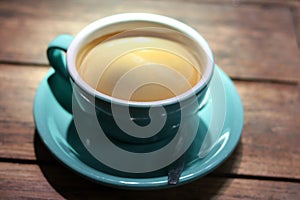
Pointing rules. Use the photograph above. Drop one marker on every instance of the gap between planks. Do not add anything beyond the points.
(212, 174)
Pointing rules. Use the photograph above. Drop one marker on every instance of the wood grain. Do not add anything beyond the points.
(249, 41)
(56, 182)
(17, 90)
(269, 145)
(241, 2)
(296, 17)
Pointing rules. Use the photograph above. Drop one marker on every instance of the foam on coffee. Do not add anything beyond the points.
(157, 68)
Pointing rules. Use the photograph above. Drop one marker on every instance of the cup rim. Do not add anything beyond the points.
(142, 17)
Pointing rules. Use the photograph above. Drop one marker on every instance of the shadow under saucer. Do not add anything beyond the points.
(73, 186)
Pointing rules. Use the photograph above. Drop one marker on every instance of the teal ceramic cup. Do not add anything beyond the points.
(132, 138)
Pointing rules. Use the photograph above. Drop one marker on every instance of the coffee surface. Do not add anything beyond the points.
(138, 68)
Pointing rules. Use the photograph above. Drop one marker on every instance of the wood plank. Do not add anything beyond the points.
(240, 2)
(296, 16)
(278, 2)
(56, 182)
(248, 40)
(269, 145)
(22, 181)
(17, 90)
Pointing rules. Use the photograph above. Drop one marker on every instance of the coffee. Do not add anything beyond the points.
(138, 68)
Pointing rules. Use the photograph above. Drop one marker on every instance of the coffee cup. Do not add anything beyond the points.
(138, 82)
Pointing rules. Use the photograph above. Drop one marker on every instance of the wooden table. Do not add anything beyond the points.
(256, 42)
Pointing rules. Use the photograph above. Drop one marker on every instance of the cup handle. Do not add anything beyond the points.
(59, 82)
(56, 53)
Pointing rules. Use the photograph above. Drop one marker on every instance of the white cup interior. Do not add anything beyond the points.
(133, 21)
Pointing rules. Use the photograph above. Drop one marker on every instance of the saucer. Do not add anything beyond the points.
(223, 114)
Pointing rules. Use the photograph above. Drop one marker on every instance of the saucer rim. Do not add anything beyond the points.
(97, 176)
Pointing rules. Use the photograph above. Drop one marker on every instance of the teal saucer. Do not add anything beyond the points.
(223, 114)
